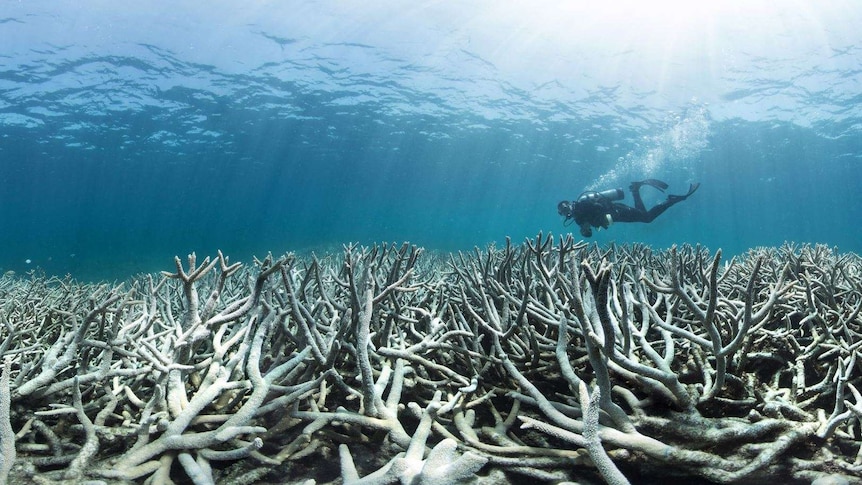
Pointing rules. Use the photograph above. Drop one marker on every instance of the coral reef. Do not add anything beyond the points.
(551, 361)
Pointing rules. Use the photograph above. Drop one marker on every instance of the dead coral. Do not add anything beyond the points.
(551, 360)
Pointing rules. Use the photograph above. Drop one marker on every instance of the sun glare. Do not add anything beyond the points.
(670, 47)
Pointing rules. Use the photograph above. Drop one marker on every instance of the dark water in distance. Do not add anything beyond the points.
(132, 134)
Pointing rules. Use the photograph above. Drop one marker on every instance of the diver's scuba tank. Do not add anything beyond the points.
(606, 195)
(613, 194)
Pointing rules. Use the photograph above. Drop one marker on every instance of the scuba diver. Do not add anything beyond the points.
(601, 209)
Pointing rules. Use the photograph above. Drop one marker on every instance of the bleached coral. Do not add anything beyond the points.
(552, 360)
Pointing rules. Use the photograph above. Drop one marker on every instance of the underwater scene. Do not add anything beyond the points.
(327, 242)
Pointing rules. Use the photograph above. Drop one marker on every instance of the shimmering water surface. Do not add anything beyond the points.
(132, 132)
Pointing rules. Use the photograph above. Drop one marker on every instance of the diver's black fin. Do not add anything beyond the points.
(691, 189)
(655, 183)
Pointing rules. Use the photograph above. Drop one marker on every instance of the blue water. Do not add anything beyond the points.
(130, 133)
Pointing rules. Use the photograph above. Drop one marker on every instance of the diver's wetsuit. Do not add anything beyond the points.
(592, 209)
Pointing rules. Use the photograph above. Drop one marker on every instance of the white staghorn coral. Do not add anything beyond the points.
(558, 362)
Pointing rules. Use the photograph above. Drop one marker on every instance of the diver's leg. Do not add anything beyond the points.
(671, 200)
(624, 213)
(656, 211)
(635, 188)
